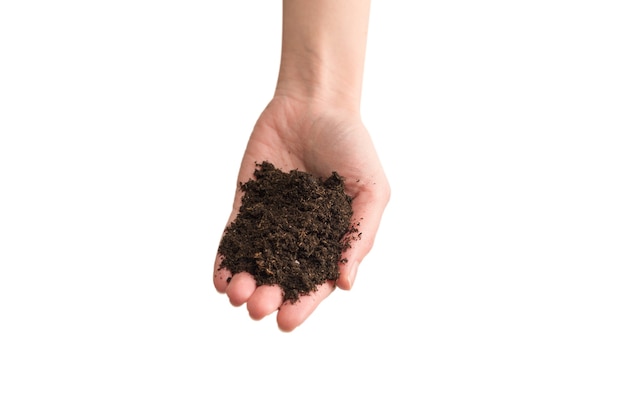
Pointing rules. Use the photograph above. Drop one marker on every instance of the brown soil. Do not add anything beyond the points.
(291, 230)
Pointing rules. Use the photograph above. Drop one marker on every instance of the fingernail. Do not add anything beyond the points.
(352, 275)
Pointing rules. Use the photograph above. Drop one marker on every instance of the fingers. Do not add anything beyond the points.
(240, 288)
(264, 301)
(292, 315)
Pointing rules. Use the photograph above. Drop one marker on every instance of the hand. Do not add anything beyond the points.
(310, 136)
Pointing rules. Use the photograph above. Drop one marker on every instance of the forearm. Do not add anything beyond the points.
(323, 51)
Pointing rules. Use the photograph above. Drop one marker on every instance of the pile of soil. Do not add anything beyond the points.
(291, 230)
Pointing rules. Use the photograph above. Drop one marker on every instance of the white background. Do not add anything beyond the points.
(496, 285)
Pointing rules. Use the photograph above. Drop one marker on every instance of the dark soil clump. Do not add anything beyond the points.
(291, 230)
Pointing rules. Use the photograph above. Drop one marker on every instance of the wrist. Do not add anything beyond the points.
(317, 83)
(323, 51)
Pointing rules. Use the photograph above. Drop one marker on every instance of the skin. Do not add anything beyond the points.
(313, 124)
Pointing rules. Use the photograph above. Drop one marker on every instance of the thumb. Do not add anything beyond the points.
(367, 216)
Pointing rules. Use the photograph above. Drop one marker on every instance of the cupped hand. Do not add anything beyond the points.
(311, 137)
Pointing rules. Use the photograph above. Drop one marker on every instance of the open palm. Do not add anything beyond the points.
(293, 134)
